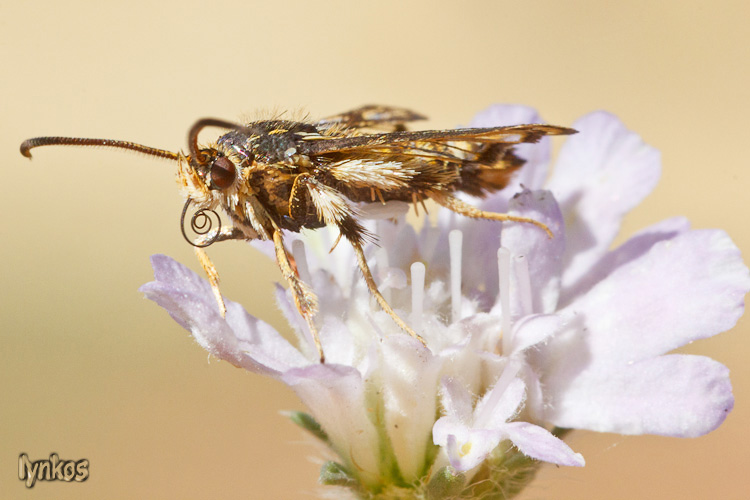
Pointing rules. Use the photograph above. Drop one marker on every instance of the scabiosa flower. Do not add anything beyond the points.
(525, 335)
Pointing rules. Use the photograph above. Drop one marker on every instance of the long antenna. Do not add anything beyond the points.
(195, 152)
(29, 144)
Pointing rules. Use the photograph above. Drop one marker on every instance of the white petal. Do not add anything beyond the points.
(409, 388)
(464, 455)
(336, 398)
(447, 426)
(532, 330)
(456, 400)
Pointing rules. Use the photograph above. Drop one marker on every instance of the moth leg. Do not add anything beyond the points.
(373, 287)
(463, 208)
(225, 233)
(304, 298)
(213, 278)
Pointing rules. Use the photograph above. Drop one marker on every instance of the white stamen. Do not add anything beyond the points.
(417, 295)
(503, 266)
(524, 285)
(300, 258)
(455, 238)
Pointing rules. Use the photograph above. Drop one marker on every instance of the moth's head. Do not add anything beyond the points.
(208, 176)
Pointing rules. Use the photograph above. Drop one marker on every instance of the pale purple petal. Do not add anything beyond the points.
(673, 395)
(544, 254)
(636, 246)
(240, 339)
(687, 288)
(602, 173)
(296, 321)
(335, 395)
(537, 442)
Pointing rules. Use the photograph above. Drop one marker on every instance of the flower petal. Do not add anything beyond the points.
(537, 442)
(683, 289)
(544, 254)
(409, 385)
(456, 401)
(674, 395)
(501, 403)
(239, 338)
(335, 395)
(636, 246)
(465, 454)
(531, 330)
(602, 173)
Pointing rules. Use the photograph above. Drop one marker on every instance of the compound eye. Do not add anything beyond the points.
(223, 172)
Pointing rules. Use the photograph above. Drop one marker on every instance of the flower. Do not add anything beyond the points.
(525, 336)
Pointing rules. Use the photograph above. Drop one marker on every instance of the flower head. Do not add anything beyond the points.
(525, 334)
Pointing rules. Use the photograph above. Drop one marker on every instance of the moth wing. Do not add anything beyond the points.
(371, 116)
(402, 141)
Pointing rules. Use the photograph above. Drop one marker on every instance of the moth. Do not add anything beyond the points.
(277, 175)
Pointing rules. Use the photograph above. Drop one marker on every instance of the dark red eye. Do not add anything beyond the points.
(223, 172)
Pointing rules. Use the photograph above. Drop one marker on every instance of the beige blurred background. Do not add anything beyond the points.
(89, 369)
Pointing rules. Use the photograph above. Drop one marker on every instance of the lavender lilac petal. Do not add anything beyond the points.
(239, 338)
(683, 289)
(674, 395)
(601, 174)
(537, 442)
(640, 243)
(544, 255)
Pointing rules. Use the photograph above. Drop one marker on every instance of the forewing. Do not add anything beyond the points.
(424, 139)
(371, 116)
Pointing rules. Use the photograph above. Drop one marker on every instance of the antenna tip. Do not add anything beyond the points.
(26, 149)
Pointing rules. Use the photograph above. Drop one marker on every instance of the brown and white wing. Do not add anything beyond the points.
(371, 116)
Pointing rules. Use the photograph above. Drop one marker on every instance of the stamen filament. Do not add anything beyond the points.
(455, 238)
(524, 285)
(503, 266)
(417, 294)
